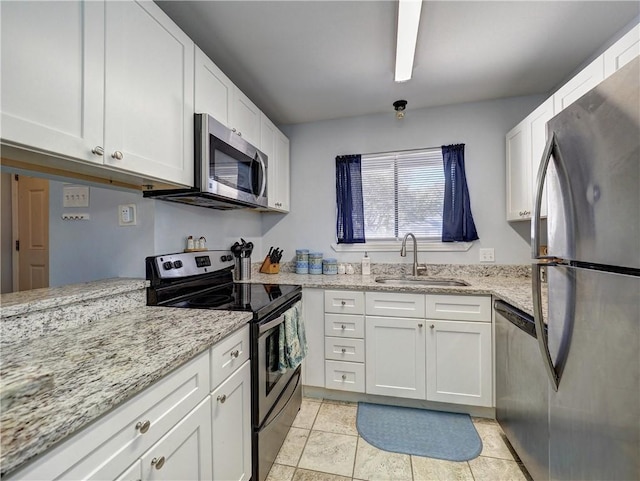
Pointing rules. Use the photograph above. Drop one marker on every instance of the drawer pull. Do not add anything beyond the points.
(143, 427)
(420, 325)
(158, 462)
(431, 326)
(344, 377)
(343, 350)
(343, 327)
(235, 354)
(222, 398)
(344, 303)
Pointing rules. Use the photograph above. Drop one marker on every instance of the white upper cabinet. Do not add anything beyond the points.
(536, 122)
(623, 51)
(213, 89)
(245, 118)
(53, 76)
(579, 85)
(518, 174)
(276, 145)
(148, 92)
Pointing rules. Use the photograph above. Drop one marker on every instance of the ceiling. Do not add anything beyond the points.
(303, 61)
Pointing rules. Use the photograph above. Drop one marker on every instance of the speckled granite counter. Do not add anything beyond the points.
(513, 285)
(86, 370)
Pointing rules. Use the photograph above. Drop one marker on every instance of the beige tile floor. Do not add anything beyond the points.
(323, 445)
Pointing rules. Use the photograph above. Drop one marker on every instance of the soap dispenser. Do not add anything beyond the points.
(366, 265)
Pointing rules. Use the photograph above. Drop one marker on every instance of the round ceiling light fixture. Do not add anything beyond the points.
(400, 106)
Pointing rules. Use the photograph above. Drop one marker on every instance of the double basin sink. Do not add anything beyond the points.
(424, 281)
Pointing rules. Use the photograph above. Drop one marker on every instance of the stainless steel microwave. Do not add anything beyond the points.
(230, 173)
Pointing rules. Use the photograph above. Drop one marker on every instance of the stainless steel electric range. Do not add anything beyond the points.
(204, 280)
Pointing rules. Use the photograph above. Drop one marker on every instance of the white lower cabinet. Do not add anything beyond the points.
(313, 313)
(133, 473)
(395, 359)
(231, 421)
(459, 362)
(344, 376)
(184, 452)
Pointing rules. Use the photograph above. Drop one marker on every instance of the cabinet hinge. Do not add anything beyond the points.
(17, 245)
(17, 177)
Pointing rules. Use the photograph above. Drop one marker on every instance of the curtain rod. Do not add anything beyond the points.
(398, 151)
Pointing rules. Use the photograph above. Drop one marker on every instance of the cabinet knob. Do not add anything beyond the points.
(143, 426)
(344, 377)
(343, 327)
(235, 354)
(344, 303)
(222, 398)
(343, 350)
(158, 462)
(117, 155)
(233, 130)
(97, 150)
(420, 325)
(431, 326)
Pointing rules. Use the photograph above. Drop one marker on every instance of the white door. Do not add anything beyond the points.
(231, 416)
(537, 125)
(185, 451)
(518, 174)
(245, 118)
(148, 93)
(459, 362)
(282, 184)
(213, 89)
(395, 357)
(52, 76)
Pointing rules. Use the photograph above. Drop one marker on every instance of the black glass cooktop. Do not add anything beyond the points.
(239, 297)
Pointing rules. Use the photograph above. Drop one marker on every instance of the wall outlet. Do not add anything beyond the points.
(127, 215)
(487, 255)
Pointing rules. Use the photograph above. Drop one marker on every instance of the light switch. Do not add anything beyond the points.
(75, 196)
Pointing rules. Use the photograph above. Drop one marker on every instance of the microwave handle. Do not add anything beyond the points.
(263, 167)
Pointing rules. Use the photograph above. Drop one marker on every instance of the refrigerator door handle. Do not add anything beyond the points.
(543, 343)
(549, 150)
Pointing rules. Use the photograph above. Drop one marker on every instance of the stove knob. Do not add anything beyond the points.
(177, 264)
(223, 258)
(167, 265)
(229, 257)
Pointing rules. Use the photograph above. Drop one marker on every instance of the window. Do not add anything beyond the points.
(403, 192)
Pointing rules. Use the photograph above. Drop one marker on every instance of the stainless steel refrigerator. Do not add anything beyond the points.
(592, 351)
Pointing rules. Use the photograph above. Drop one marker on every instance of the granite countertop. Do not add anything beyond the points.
(83, 372)
(515, 290)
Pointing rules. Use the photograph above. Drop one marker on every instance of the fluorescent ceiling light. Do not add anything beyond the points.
(408, 20)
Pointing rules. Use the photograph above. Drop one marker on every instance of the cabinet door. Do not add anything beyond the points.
(395, 357)
(52, 76)
(148, 93)
(283, 174)
(537, 125)
(622, 52)
(268, 146)
(185, 451)
(231, 421)
(459, 362)
(579, 85)
(213, 89)
(313, 313)
(518, 174)
(245, 118)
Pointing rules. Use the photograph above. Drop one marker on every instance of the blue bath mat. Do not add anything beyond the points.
(435, 434)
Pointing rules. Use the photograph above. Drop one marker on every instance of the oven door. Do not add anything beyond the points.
(271, 382)
(233, 167)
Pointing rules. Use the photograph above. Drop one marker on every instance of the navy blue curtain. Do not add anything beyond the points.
(457, 221)
(350, 224)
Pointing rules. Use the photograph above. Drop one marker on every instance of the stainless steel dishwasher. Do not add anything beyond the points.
(522, 395)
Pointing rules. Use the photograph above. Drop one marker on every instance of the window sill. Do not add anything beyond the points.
(392, 246)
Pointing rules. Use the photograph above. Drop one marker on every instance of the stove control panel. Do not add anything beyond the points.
(187, 264)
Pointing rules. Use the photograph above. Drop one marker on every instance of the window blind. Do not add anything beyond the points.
(403, 192)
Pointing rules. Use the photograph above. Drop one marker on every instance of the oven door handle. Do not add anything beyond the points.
(267, 326)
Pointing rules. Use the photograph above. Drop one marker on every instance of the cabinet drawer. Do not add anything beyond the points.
(459, 308)
(112, 444)
(344, 349)
(343, 326)
(344, 302)
(392, 304)
(228, 355)
(345, 376)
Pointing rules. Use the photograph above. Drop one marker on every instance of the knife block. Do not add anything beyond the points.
(268, 268)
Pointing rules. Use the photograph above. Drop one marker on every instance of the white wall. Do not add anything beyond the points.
(481, 126)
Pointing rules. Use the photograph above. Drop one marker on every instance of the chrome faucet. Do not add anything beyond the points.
(403, 253)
